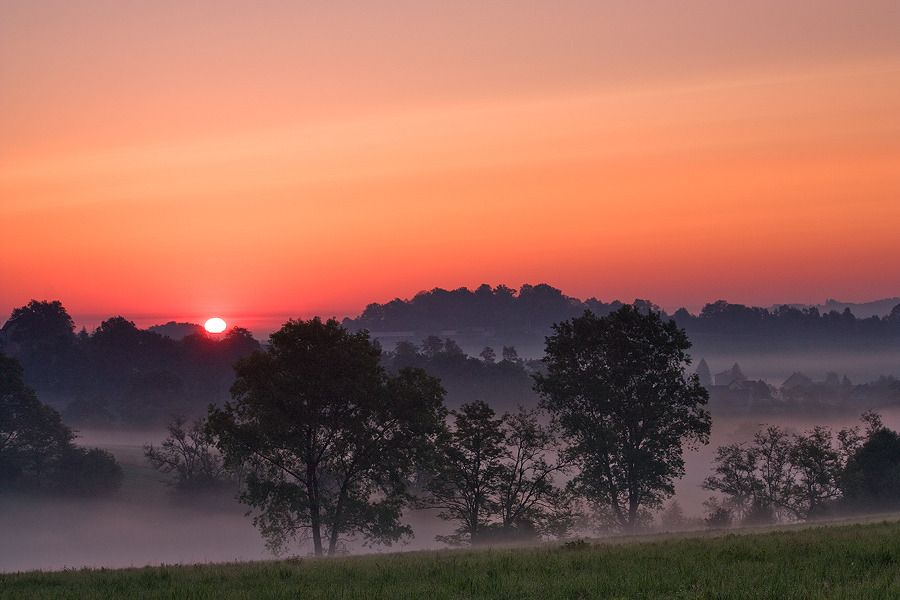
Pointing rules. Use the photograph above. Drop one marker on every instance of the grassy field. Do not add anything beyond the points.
(844, 561)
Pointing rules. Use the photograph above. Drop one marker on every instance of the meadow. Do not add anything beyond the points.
(835, 561)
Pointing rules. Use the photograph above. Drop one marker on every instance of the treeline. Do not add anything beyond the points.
(722, 325)
(780, 476)
(37, 451)
(120, 374)
(502, 377)
(523, 317)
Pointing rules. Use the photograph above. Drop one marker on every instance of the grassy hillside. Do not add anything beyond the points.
(846, 561)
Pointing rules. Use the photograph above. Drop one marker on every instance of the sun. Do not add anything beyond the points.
(215, 325)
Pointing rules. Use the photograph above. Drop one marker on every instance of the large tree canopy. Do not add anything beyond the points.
(41, 335)
(619, 388)
(328, 438)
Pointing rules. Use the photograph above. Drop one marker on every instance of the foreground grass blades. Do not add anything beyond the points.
(847, 561)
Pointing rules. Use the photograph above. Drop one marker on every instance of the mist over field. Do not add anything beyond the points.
(145, 524)
(141, 524)
(776, 367)
(740, 429)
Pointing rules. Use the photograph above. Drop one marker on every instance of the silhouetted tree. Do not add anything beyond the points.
(328, 438)
(119, 352)
(494, 478)
(36, 449)
(488, 355)
(619, 389)
(736, 477)
(190, 454)
(451, 348)
(468, 471)
(41, 336)
(779, 476)
(32, 435)
(528, 501)
(819, 466)
(88, 472)
(871, 479)
(510, 355)
(432, 346)
(406, 353)
(465, 378)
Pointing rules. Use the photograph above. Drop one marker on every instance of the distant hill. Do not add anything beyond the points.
(477, 318)
(176, 331)
(498, 316)
(861, 310)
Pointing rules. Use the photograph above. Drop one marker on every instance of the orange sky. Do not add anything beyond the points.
(181, 159)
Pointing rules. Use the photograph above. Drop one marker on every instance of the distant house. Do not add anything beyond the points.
(732, 375)
(795, 381)
(703, 374)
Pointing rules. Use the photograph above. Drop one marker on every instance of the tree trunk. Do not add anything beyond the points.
(632, 514)
(336, 525)
(315, 521)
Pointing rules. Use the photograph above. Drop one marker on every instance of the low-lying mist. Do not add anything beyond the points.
(141, 524)
(730, 429)
(775, 367)
(146, 524)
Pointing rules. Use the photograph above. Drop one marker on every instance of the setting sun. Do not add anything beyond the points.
(215, 325)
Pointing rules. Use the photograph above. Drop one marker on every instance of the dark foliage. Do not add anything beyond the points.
(329, 440)
(88, 472)
(506, 383)
(871, 480)
(619, 388)
(120, 374)
(190, 456)
(501, 315)
(494, 478)
(465, 485)
(781, 476)
(37, 450)
(41, 335)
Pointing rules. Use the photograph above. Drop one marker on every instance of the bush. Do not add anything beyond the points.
(88, 472)
(872, 477)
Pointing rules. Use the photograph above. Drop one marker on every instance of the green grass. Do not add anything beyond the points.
(846, 561)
